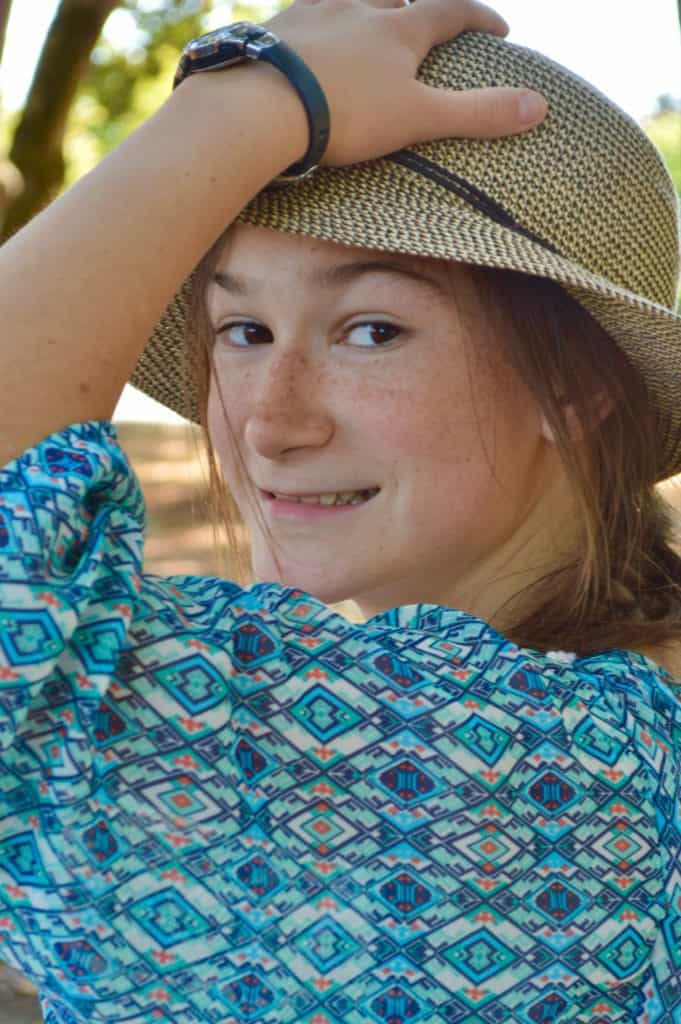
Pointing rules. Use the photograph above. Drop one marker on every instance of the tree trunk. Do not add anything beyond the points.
(37, 149)
(4, 18)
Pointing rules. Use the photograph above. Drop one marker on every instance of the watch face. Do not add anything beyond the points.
(204, 45)
(266, 39)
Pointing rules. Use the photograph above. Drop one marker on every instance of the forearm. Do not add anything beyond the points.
(82, 285)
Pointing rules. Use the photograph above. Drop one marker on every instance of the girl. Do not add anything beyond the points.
(439, 376)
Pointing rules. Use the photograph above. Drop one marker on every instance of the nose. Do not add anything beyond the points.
(287, 408)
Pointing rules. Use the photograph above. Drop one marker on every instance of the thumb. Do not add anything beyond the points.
(477, 113)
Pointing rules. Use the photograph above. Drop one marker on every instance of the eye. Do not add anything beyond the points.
(250, 333)
(253, 333)
(376, 326)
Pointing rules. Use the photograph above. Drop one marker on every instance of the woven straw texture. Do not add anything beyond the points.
(585, 199)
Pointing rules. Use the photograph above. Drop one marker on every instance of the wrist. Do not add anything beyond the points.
(264, 95)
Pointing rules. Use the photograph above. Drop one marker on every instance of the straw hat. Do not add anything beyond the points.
(585, 199)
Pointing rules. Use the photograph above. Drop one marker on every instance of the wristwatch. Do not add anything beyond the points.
(244, 41)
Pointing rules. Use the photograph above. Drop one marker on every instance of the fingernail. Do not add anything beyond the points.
(532, 107)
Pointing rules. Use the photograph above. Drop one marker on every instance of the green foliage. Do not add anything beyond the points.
(664, 129)
(124, 87)
(8, 126)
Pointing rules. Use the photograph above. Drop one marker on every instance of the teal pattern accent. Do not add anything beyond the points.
(233, 806)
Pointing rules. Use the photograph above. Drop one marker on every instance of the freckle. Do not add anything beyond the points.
(84, 388)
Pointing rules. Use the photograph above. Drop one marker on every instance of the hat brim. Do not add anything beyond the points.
(645, 331)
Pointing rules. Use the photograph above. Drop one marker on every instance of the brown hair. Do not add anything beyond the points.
(623, 588)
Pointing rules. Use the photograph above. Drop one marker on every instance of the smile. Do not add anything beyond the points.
(315, 505)
(333, 498)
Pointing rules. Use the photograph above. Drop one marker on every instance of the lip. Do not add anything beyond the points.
(278, 508)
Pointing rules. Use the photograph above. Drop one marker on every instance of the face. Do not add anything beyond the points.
(337, 380)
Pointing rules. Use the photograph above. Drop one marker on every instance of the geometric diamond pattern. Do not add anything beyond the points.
(248, 996)
(168, 917)
(484, 738)
(326, 944)
(407, 781)
(396, 1004)
(258, 877)
(626, 954)
(558, 901)
(480, 955)
(324, 714)
(404, 893)
(552, 792)
(221, 803)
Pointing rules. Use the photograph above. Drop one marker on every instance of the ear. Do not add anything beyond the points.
(602, 405)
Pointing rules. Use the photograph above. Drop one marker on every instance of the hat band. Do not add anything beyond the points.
(475, 197)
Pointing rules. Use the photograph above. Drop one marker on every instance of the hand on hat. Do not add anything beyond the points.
(366, 56)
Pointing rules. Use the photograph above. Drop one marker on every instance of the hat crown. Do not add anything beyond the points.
(584, 199)
(587, 180)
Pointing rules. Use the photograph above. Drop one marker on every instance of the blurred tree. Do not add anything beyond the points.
(89, 94)
(38, 140)
(4, 18)
(10, 180)
(664, 129)
(124, 86)
(667, 102)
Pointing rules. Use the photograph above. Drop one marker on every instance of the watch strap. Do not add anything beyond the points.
(247, 41)
(310, 91)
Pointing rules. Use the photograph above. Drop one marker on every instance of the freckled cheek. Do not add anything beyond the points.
(427, 421)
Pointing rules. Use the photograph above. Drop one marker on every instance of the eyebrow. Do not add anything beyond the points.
(341, 274)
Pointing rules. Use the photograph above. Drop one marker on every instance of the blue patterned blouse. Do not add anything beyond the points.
(234, 806)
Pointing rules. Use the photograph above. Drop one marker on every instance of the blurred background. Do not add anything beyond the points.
(77, 76)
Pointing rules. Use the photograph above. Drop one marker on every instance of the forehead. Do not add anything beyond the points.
(250, 248)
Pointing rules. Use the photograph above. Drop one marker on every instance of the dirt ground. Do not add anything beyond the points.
(167, 463)
(18, 1001)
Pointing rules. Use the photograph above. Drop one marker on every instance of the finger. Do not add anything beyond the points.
(476, 113)
(444, 19)
(488, 20)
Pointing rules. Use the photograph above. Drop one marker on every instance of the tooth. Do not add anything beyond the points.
(337, 498)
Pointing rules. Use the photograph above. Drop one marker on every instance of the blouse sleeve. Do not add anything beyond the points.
(71, 536)
(220, 803)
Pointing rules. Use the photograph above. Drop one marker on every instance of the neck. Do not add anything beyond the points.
(496, 587)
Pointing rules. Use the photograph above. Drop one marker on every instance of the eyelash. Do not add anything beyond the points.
(365, 323)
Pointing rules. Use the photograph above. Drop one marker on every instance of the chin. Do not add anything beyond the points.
(311, 583)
